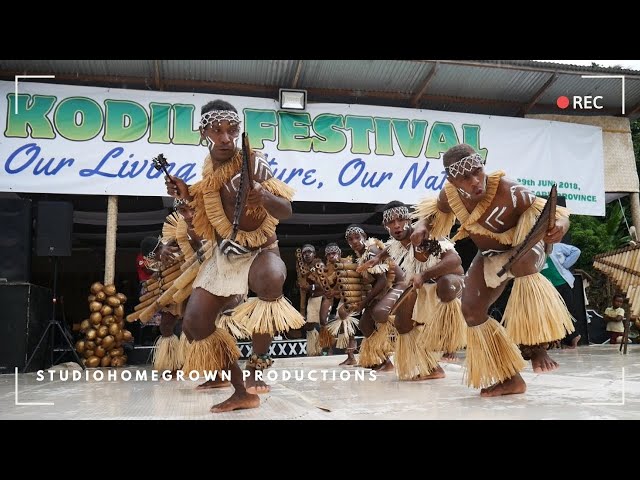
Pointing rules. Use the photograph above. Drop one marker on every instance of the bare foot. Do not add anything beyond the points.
(449, 357)
(254, 385)
(574, 342)
(387, 366)
(541, 361)
(351, 360)
(217, 383)
(237, 401)
(438, 372)
(510, 386)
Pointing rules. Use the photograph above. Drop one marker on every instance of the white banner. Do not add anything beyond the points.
(85, 140)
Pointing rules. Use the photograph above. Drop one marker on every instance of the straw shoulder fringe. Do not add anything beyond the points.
(465, 217)
(210, 217)
(441, 223)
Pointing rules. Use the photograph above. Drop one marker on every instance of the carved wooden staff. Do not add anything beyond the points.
(546, 221)
(406, 294)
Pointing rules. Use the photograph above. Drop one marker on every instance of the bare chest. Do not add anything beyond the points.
(502, 214)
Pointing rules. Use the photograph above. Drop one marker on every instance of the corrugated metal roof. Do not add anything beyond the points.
(488, 83)
(250, 72)
(563, 66)
(507, 109)
(115, 68)
(492, 87)
(363, 75)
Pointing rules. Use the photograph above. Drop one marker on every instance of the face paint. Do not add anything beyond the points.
(210, 144)
(465, 194)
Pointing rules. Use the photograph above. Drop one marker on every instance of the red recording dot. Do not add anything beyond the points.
(562, 102)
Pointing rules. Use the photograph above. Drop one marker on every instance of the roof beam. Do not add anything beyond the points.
(326, 218)
(121, 235)
(148, 217)
(552, 109)
(158, 77)
(296, 77)
(506, 66)
(291, 238)
(634, 110)
(524, 110)
(415, 100)
(471, 101)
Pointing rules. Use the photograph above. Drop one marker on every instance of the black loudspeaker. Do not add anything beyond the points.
(26, 311)
(54, 226)
(15, 240)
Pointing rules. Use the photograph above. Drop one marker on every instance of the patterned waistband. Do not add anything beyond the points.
(230, 247)
(491, 252)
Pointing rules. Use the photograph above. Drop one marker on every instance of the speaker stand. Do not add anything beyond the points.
(52, 326)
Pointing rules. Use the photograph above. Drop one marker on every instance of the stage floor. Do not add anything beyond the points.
(593, 382)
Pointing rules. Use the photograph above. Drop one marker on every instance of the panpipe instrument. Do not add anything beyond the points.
(317, 272)
(353, 287)
(622, 267)
(172, 287)
(327, 276)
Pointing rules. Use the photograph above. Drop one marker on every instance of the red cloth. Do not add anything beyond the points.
(143, 273)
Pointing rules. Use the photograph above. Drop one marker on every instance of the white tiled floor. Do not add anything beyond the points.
(588, 385)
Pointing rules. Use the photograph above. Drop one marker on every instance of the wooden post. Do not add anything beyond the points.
(635, 211)
(110, 245)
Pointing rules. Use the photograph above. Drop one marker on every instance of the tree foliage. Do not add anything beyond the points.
(594, 235)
